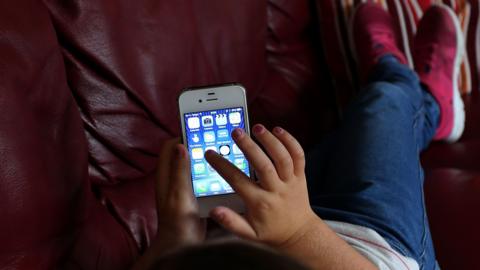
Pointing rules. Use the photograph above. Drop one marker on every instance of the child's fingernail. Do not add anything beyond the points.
(278, 130)
(209, 153)
(237, 133)
(219, 214)
(258, 129)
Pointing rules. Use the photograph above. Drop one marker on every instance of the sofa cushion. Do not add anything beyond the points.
(453, 201)
(43, 151)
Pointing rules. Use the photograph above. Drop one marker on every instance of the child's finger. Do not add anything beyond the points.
(276, 150)
(163, 168)
(233, 222)
(294, 148)
(180, 186)
(263, 166)
(245, 188)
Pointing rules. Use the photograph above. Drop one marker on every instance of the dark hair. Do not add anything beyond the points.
(229, 255)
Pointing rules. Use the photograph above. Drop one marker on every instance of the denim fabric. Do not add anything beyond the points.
(368, 172)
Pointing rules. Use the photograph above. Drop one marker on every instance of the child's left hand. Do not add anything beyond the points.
(179, 223)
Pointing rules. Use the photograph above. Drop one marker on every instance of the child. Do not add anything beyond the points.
(364, 208)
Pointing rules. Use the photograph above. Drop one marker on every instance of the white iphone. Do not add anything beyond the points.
(208, 117)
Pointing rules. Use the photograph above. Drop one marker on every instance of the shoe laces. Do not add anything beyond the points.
(430, 59)
(379, 35)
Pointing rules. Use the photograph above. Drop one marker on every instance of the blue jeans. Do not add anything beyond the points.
(368, 172)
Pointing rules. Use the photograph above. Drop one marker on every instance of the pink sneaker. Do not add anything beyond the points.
(373, 35)
(437, 53)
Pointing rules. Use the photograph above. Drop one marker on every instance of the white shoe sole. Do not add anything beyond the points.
(458, 106)
(403, 32)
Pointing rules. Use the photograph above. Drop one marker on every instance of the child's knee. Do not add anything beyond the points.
(386, 96)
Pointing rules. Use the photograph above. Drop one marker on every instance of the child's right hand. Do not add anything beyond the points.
(277, 209)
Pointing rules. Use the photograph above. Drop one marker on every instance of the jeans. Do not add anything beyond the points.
(368, 172)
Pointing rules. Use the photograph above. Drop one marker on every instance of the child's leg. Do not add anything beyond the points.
(373, 175)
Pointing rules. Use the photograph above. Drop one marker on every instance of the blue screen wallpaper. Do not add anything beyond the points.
(212, 130)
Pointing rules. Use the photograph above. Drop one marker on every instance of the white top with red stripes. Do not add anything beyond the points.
(373, 246)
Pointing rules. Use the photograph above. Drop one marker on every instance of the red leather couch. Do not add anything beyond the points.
(87, 95)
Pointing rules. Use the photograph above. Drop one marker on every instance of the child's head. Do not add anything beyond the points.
(227, 255)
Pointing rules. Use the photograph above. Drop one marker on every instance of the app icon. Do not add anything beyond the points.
(211, 148)
(197, 153)
(201, 187)
(236, 150)
(222, 133)
(224, 150)
(195, 138)
(234, 118)
(199, 168)
(193, 122)
(209, 136)
(215, 186)
(207, 121)
(240, 163)
(221, 119)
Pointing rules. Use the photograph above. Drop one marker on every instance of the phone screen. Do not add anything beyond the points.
(212, 130)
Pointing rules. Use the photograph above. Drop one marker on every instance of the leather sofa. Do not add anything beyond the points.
(87, 95)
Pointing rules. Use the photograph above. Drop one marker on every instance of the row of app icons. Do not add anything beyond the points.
(224, 150)
(211, 187)
(209, 136)
(220, 120)
(200, 167)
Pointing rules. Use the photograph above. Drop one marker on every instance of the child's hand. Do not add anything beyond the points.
(178, 219)
(277, 208)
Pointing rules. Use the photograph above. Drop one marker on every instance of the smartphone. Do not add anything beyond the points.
(208, 117)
